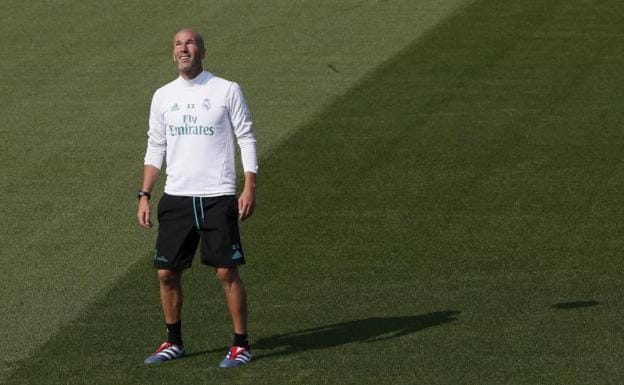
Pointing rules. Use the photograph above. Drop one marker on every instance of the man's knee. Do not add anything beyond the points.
(169, 279)
(227, 275)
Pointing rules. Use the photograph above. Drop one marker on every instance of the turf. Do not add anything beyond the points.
(453, 218)
(75, 100)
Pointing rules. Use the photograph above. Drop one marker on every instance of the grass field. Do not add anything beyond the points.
(442, 209)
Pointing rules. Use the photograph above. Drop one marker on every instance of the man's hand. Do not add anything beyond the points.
(143, 214)
(150, 174)
(247, 199)
(246, 204)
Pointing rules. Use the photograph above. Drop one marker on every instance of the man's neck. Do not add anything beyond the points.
(192, 74)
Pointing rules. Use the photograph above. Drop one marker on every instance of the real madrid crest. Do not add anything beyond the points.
(206, 104)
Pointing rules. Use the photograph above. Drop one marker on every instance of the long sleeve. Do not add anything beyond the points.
(242, 124)
(157, 140)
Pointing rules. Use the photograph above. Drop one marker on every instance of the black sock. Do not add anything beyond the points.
(174, 333)
(241, 340)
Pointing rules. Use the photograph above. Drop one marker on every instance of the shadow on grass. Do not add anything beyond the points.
(366, 330)
(575, 304)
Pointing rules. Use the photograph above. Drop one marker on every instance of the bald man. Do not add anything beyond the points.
(194, 123)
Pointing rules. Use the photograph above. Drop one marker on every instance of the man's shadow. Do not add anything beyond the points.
(365, 330)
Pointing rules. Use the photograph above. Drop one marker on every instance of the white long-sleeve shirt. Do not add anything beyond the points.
(194, 123)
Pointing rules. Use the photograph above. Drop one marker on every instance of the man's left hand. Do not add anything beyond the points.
(246, 204)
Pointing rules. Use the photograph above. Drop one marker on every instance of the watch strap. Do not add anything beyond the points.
(142, 193)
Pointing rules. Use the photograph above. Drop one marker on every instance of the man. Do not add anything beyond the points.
(194, 121)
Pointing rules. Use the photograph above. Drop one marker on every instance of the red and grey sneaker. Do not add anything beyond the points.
(165, 352)
(237, 356)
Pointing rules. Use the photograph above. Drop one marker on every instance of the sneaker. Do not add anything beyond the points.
(237, 356)
(165, 352)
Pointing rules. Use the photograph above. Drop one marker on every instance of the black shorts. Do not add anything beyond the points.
(183, 221)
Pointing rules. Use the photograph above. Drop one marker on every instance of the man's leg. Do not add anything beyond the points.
(171, 294)
(171, 299)
(235, 296)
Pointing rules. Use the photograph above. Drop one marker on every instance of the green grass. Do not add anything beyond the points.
(75, 100)
(441, 222)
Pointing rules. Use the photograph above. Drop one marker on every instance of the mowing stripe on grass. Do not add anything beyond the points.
(75, 101)
(436, 212)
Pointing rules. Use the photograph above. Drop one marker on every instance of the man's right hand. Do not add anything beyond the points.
(143, 214)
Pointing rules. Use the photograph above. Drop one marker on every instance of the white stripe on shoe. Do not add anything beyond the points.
(166, 352)
(244, 357)
(237, 356)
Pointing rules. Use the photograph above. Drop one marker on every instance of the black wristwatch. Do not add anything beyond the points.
(142, 193)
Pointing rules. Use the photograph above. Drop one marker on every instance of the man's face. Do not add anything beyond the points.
(187, 53)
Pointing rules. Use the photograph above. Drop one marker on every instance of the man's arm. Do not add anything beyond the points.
(247, 199)
(150, 175)
(243, 129)
(154, 155)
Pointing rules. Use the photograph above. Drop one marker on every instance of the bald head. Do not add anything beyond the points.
(188, 52)
(196, 35)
